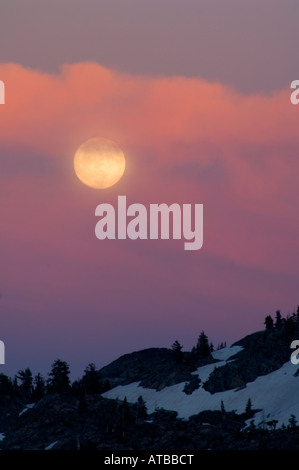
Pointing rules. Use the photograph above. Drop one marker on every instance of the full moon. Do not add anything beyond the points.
(99, 163)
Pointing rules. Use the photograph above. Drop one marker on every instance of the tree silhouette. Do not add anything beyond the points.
(39, 389)
(248, 408)
(90, 380)
(177, 351)
(59, 377)
(6, 387)
(25, 376)
(278, 319)
(292, 421)
(289, 328)
(268, 322)
(203, 348)
(141, 410)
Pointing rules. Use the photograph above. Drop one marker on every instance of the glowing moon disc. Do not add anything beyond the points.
(99, 163)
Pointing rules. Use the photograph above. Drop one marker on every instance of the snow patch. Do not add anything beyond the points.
(204, 372)
(276, 394)
(50, 446)
(27, 407)
(2, 436)
(225, 353)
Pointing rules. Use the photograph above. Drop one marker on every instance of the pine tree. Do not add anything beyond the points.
(25, 376)
(59, 377)
(294, 318)
(15, 386)
(289, 329)
(6, 386)
(268, 322)
(278, 319)
(90, 379)
(248, 408)
(125, 403)
(203, 348)
(141, 412)
(39, 388)
(177, 351)
(125, 416)
(222, 407)
(292, 421)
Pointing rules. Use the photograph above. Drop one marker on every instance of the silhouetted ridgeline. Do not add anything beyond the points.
(52, 412)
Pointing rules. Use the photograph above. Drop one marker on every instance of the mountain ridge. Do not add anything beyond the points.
(238, 397)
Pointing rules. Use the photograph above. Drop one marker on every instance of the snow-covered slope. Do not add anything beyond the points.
(276, 394)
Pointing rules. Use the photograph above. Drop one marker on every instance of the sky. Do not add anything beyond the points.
(197, 95)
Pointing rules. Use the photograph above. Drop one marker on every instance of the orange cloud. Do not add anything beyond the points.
(46, 111)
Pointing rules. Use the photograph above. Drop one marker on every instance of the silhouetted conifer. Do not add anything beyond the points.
(90, 380)
(203, 348)
(39, 388)
(292, 421)
(278, 319)
(269, 323)
(26, 387)
(177, 351)
(248, 408)
(141, 410)
(59, 377)
(6, 387)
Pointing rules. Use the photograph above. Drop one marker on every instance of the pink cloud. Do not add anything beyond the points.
(186, 140)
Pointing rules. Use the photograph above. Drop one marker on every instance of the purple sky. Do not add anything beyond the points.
(196, 93)
(250, 45)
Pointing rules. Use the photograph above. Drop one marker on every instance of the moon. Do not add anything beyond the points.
(99, 163)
